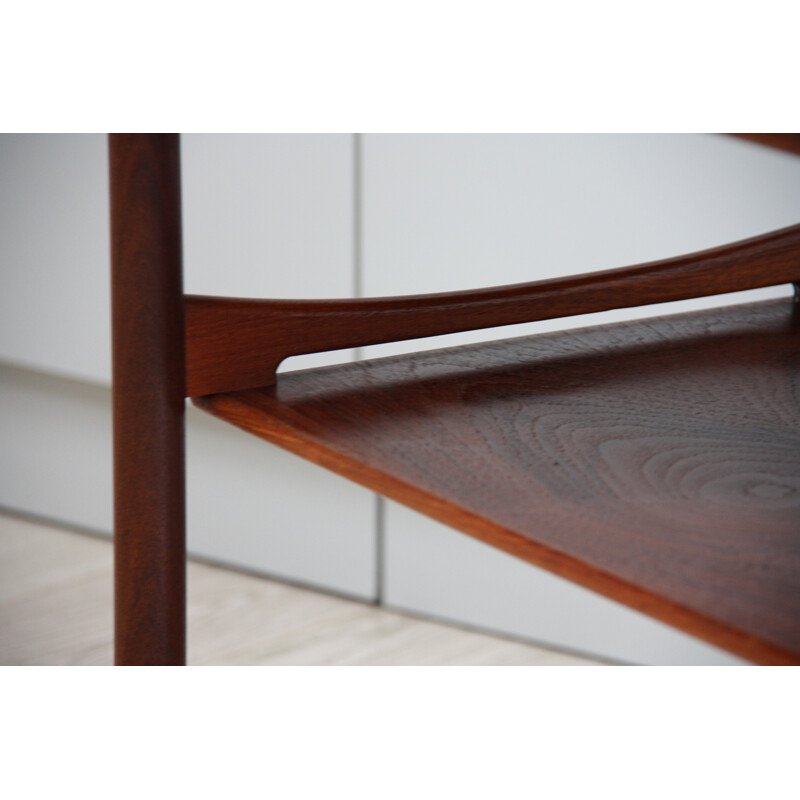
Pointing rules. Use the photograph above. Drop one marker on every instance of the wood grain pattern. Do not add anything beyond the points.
(236, 344)
(656, 462)
(148, 399)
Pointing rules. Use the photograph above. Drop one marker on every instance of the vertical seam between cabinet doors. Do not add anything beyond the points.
(358, 291)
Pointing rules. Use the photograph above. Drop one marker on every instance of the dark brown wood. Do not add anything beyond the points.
(656, 462)
(149, 385)
(237, 344)
(780, 141)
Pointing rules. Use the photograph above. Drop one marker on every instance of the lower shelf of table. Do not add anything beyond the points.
(656, 462)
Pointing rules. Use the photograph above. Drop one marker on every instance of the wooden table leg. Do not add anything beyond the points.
(148, 412)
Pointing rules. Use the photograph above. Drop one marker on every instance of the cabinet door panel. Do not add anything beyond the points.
(264, 215)
(54, 259)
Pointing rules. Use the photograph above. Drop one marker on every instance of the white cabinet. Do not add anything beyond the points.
(266, 215)
(446, 212)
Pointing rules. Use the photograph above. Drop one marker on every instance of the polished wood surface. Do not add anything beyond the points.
(656, 462)
(148, 404)
(236, 344)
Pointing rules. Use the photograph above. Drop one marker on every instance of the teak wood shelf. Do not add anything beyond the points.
(656, 462)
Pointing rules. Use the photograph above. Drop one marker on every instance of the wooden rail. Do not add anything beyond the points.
(234, 344)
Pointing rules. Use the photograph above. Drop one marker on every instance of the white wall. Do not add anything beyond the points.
(274, 216)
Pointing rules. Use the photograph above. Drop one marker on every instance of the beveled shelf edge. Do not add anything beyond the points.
(234, 344)
(235, 409)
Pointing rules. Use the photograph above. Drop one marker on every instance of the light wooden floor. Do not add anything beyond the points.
(55, 608)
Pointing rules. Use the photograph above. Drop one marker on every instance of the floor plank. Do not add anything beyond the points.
(55, 608)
